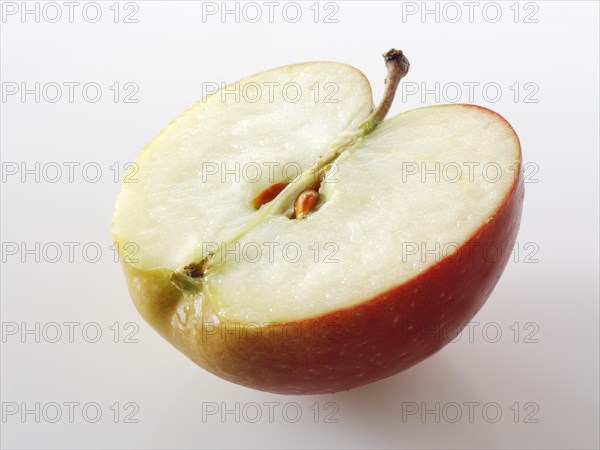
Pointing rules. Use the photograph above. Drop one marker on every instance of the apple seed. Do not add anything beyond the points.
(304, 203)
(268, 194)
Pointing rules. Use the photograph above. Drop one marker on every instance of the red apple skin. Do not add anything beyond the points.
(348, 348)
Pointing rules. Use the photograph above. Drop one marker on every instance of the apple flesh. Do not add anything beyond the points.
(414, 225)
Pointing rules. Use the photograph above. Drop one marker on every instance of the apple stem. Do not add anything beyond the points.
(397, 66)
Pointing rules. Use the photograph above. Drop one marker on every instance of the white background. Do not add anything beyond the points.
(550, 289)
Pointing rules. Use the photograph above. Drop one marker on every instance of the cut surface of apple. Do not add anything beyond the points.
(414, 223)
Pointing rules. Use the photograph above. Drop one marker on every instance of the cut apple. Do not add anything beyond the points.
(371, 255)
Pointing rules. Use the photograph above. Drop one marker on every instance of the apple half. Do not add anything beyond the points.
(409, 228)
